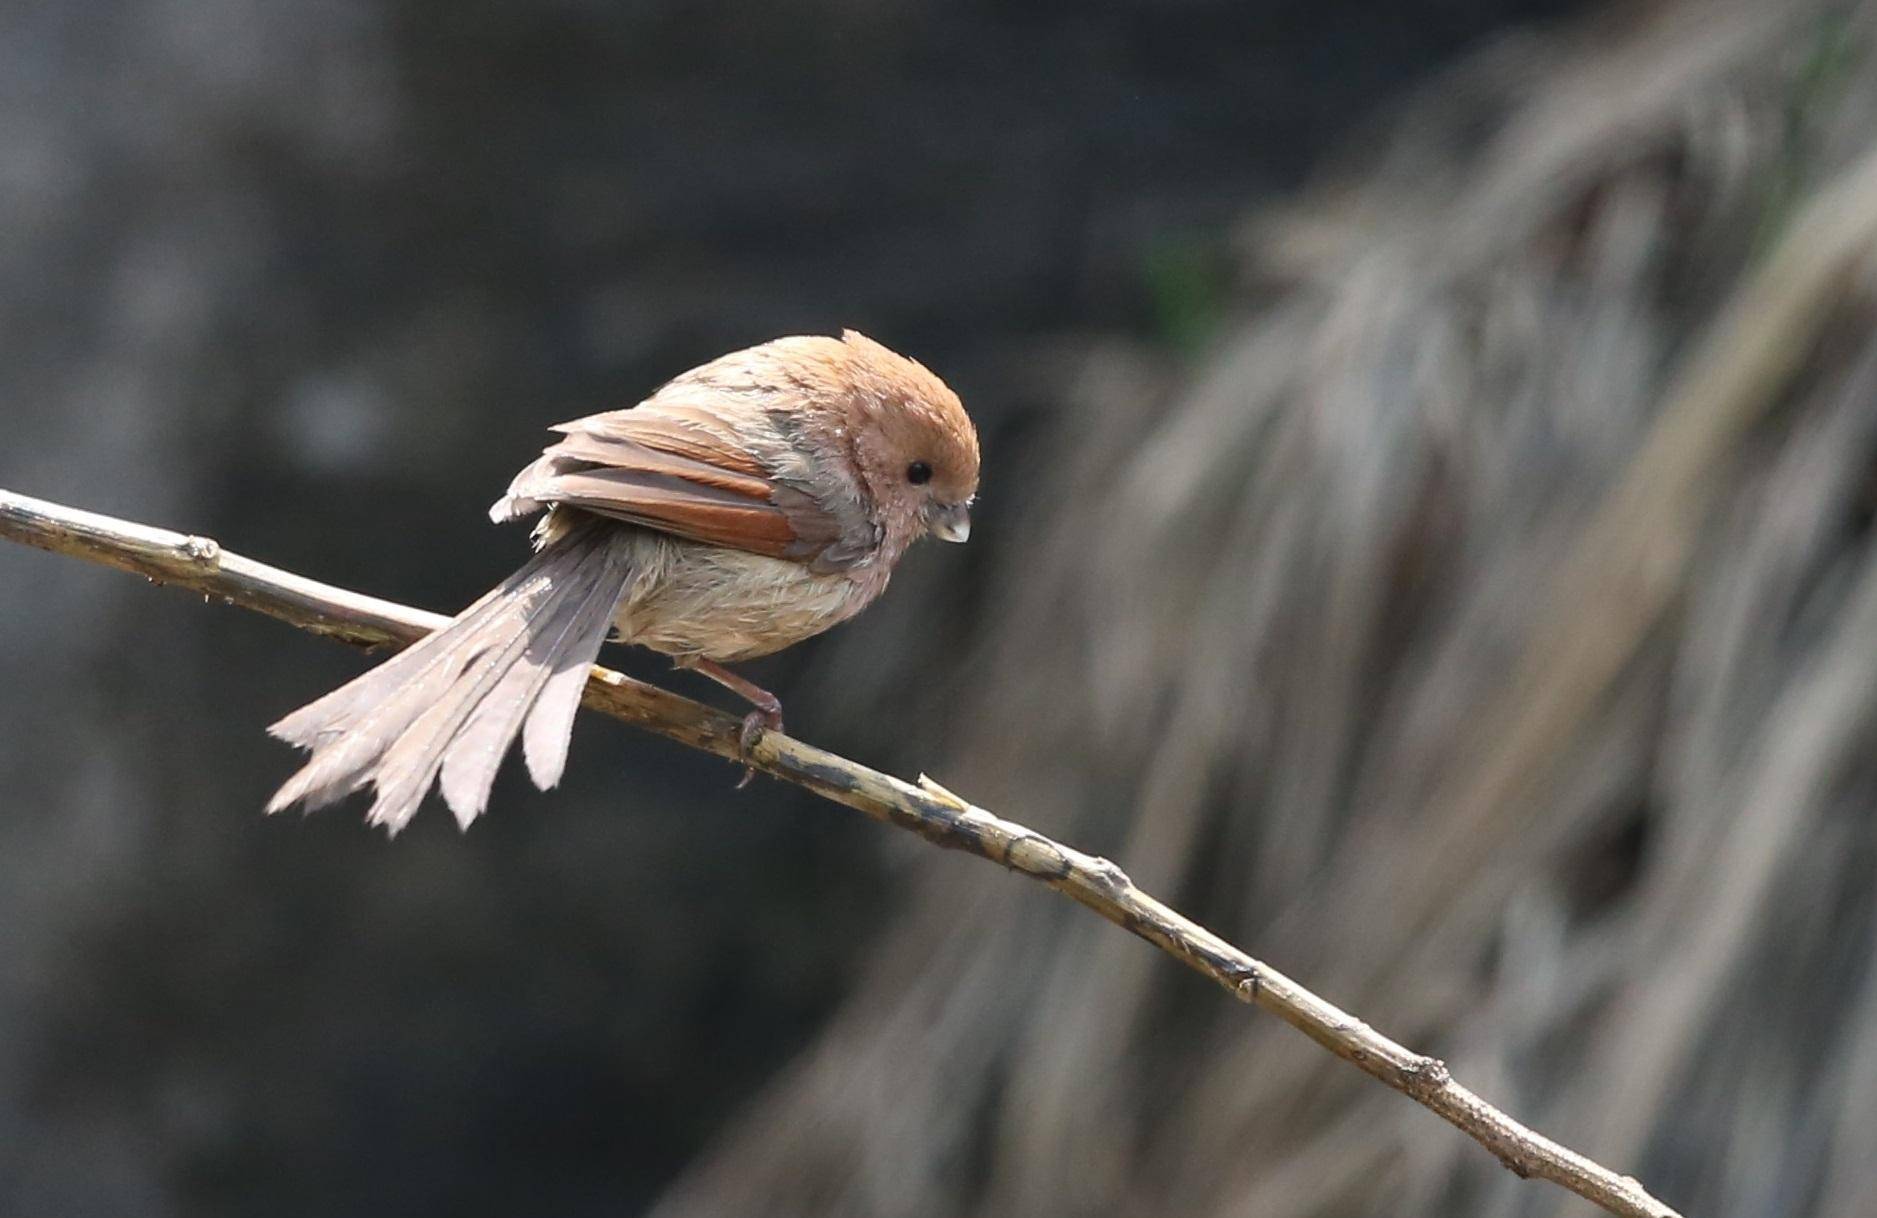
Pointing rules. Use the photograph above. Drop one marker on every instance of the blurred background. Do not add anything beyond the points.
(1431, 458)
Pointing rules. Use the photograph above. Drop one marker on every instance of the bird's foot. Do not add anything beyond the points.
(767, 717)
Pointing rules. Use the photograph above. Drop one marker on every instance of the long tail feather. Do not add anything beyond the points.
(564, 638)
(452, 704)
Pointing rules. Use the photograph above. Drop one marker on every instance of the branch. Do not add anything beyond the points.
(926, 809)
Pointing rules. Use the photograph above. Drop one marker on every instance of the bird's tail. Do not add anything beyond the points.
(450, 705)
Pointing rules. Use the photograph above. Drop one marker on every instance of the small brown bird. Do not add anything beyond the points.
(746, 505)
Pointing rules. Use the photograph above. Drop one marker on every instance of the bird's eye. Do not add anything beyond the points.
(918, 473)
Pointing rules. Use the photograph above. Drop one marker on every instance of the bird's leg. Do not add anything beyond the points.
(767, 717)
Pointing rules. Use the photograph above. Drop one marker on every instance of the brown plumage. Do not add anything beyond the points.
(746, 505)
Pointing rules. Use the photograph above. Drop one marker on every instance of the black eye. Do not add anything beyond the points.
(918, 473)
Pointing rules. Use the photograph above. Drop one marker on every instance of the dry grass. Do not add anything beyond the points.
(1487, 635)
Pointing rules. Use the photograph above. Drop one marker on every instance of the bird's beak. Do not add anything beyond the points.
(949, 521)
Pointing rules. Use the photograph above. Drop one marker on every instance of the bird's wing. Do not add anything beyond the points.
(687, 472)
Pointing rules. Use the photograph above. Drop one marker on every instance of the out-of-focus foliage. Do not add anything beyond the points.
(1480, 636)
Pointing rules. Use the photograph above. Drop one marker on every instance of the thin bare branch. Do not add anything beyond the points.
(927, 809)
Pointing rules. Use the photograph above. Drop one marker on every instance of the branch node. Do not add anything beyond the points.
(204, 552)
(1425, 1074)
(1110, 874)
(1246, 983)
(1034, 854)
(944, 795)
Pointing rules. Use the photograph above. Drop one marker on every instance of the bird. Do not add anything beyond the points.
(745, 505)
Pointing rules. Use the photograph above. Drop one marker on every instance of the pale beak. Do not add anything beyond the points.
(949, 521)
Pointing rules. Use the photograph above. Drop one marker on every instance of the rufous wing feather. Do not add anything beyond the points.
(681, 475)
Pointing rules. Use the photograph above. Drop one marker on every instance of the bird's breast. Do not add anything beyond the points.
(692, 599)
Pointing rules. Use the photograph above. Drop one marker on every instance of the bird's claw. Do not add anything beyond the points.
(754, 725)
(767, 717)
